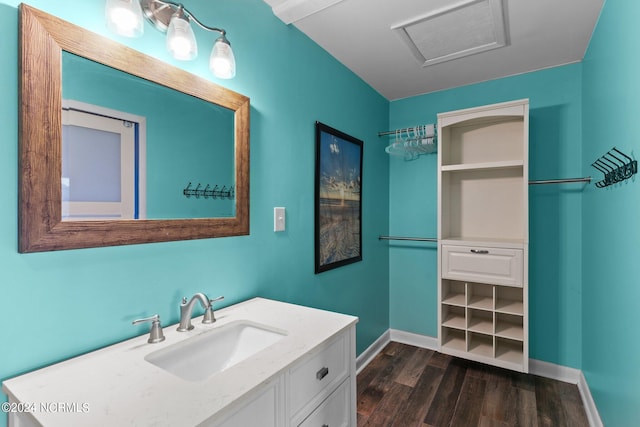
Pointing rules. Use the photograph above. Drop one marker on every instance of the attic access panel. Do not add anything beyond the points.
(464, 29)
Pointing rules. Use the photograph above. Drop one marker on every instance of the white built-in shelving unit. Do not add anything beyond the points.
(483, 234)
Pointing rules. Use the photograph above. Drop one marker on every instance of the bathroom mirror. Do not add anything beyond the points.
(44, 40)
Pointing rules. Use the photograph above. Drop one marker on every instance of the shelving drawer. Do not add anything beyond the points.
(332, 412)
(317, 376)
(483, 264)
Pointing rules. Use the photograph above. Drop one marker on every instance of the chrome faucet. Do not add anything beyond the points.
(186, 310)
(208, 313)
(155, 333)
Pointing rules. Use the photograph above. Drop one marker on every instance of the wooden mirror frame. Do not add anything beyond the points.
(42, 39)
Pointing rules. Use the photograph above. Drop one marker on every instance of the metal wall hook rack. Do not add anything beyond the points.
(209, 192)
(614, 168)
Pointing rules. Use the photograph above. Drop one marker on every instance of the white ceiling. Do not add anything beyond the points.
(539, 34)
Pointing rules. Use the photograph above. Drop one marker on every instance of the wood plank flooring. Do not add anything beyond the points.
(406, 386)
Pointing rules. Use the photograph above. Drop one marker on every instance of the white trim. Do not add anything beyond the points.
(536, 367)
(589, 405)
(417, 340)
(553, 371)
(572, 376)
(367, 356)
(290, 11)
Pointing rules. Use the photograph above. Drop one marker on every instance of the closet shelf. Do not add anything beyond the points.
(483, 166)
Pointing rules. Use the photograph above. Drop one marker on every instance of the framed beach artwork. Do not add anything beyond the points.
(338, 199)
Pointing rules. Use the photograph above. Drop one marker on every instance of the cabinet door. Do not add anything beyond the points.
(263, 410)
(483, 264)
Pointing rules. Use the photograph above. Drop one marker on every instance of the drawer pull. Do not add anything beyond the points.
(325, 425)
(479, 251)
(322, 373)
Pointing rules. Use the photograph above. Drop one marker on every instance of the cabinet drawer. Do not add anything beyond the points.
(483, 264)
(319, 374)
(334, 412)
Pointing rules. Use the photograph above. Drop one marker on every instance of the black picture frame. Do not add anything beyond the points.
(338, 199)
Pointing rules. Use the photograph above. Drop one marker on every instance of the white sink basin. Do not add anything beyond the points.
(197, 358)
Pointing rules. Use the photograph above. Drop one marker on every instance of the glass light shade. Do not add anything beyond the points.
(124, 17)
(222, 62)
(181, 41)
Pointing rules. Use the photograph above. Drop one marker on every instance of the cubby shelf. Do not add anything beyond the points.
(483, 234)
(454, 322)
(510, 330)
(510, 307)
(454, 299)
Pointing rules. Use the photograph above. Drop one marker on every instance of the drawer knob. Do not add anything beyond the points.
(322, 373)
(479, 251)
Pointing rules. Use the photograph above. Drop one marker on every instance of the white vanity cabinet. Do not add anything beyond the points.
(317, 390)
(322, 387)
(483, 234)
(306, 378)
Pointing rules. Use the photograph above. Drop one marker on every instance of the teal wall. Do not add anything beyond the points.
(611, 230)
(555, 232)
(57, 305)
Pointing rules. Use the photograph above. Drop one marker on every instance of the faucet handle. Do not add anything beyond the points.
(155, 334)
(220, 298)
(208, 312)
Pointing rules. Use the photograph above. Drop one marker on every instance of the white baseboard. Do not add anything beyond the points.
(536, 367)
(553, 371)
(367, 356)
(572, 376)
(589, 405)
(402, 337)
(422, 341)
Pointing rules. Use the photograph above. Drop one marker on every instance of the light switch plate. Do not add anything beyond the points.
(278, 219)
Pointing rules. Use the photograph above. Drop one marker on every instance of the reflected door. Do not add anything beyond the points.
(98, 167)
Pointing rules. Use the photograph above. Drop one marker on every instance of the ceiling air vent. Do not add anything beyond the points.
(466, 28)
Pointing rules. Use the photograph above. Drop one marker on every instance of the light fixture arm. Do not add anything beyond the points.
(201, 25)
(159, 12)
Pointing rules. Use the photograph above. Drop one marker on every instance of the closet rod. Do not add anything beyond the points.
(560, 181)
(395, 132)
(415, 239)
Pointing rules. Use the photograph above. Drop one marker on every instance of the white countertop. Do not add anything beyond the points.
(117, 387)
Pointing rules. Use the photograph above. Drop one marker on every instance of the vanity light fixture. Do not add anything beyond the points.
(125, 17)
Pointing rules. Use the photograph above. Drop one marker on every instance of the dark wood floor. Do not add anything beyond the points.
(406, 386)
